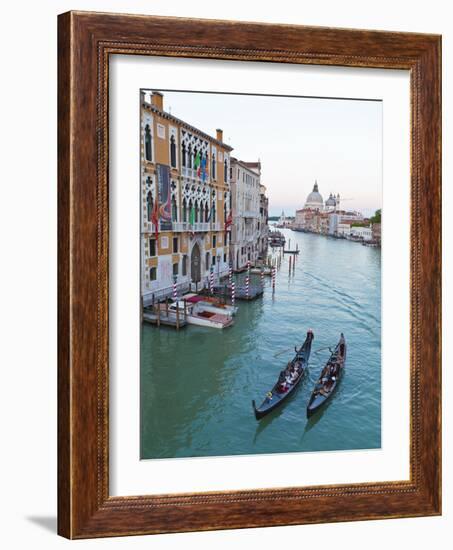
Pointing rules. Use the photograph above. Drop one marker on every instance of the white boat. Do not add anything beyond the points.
(199, 315)
(267, 271)
(211, 303)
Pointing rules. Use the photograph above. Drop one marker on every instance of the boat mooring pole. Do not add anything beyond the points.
(273, 280)
(262, 278)
(177, 315)
(232, 293)
(185, 310)
(158, 314)
(290, 264)
(247, 286)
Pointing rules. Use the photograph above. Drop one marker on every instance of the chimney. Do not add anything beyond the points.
(157, 99)
(219, 135)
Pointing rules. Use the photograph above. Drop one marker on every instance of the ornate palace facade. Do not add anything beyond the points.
(186, 202)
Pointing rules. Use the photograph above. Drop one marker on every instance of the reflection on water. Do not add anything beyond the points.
(197, 384)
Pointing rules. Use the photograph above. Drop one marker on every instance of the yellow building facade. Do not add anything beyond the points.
(185, 203)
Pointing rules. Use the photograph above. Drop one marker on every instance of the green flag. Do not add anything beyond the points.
(197, 160)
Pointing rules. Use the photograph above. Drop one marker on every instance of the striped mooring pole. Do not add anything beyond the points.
(248, 266)
(230, 274)
(273, 279)
(233, 292)
(211, 281)
(247, 286)
(175, 289)
(262, 278)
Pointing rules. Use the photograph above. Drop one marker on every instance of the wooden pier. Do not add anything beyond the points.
(160, 315)
(240, 292)
(291, 251)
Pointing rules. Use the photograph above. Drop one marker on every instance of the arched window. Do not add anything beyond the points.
(224, 212)
(213, 214)
(213, 166)
(173, 151)
(196, 211)
(148, 143)
(174, 209)
(183, 154)
(190, 209)
(149, 206)
(225, 171)
(184, 210)
(195, 152)
(189, 154)
(206, 212)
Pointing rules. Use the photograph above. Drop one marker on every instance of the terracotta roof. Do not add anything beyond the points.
(185, 125)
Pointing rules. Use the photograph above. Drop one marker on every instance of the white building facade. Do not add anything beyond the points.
(362, 233)
(246, 227)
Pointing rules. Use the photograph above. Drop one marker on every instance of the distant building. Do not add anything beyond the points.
(376, 231)
(362, 233)
(246, 229)
(284, 221)
(263, 227)
(324, 218)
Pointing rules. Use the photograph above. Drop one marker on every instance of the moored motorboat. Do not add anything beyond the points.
(329, 379)
(266, 270)
(288, 379)
(197, 314)
(211, 303)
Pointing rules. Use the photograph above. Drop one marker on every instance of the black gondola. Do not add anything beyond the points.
(286, 384)
(329, 379)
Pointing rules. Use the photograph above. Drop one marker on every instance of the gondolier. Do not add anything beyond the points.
(329, 378)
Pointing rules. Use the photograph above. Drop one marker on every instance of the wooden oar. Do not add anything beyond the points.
(280, 352)
(322, 349)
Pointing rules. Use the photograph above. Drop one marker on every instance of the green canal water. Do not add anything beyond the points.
(197, 384)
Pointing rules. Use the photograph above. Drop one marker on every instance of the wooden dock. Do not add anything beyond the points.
(153, 319)
(159, 315)
(240, 292)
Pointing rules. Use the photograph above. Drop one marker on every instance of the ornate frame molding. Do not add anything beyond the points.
(86, 40)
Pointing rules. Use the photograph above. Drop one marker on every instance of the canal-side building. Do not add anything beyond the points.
(246, 229)
(263, 226)
(185, 202)
(362, 233)
(325, 218)
(376, 232)
(338, 221)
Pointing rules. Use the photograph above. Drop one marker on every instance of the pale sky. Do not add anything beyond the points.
(298, 140)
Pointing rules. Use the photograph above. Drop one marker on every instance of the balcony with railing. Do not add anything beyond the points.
(186, 226)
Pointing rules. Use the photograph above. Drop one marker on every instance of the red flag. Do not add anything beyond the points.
(155, 220)
(228, 222)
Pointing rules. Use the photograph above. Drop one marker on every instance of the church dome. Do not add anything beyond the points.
(314, 199)
(331, 201)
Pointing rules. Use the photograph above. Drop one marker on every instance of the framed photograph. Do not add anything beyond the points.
(249, 275)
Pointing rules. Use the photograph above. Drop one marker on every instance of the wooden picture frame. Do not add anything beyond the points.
(85, 41)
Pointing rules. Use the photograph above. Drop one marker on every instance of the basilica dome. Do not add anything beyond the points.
(314, 199)
(331, 201)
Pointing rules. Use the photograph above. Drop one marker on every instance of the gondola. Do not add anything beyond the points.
(282, 389)
(329, 379)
